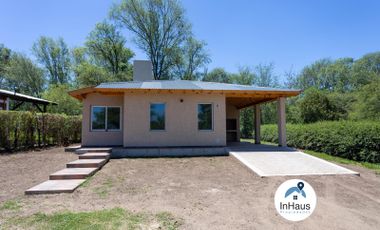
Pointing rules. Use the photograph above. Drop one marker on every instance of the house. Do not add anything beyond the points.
(171, 113)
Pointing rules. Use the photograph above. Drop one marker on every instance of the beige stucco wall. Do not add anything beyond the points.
(233, 113)
(181, 120)
(100, 138)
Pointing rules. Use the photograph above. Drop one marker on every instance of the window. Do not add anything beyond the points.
(205, 117)
(157, 116)
(105, 118)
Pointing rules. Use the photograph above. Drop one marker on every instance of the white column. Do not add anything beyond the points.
(257, 123)
(281, 121)
(7, 104)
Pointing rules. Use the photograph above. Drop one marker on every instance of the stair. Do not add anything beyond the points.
(75, 173)
(87, 163)
(95, 155)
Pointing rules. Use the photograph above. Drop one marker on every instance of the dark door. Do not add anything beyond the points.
(231, 128)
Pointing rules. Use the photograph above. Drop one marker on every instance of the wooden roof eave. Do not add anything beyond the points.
(80, 94)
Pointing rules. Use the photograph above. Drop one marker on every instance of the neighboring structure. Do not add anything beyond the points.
(171, 113)
(7, 96)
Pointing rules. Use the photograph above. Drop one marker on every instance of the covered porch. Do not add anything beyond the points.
(238, 101)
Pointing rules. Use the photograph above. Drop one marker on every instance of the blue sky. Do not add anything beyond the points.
(289, 33)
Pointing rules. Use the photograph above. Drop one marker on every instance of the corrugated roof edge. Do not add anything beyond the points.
(247, 87)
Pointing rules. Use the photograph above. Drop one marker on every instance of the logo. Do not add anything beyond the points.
(295, 200)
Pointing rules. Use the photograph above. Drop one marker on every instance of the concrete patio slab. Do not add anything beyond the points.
(96, 155)
(286, 163)
(87, 163)
(73, 173)
(54, 186)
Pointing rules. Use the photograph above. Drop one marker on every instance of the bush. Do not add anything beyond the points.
(358, 141)
(21, 130)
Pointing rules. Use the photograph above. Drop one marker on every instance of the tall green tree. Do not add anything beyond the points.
(159, 26)
(54, 55)
(218, 75)
(367, 104)
(193, 56)
(5, 56)
(24, 76)
(107, 47)
(66, 104)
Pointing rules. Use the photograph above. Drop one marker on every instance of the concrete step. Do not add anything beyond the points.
(99, 155)
(87, 163)
(72, 148)
(73, 173)
(93, 150)
(55, 186)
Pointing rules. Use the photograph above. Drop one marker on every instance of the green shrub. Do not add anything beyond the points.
(20, 130)
(358, 141)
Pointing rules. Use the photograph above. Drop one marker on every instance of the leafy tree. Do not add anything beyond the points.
(218, 75)
(192, 57)
(317, 106)
(366, 70)
(54, 55)
(91, 75)
(160, 27)
(5, 55)
(367, 105)
(244, 77)
(265, 75)
(107, 46)
(24, 76)
(66, 104)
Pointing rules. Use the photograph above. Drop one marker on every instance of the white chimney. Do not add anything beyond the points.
(142, 70)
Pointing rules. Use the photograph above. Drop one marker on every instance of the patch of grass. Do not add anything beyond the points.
(10, 205)
(325, 156)
(372, 166)
(86, 182)
(116, 218)
(103, 190)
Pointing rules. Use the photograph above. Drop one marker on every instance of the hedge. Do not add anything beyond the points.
(21, 130)
(358, 141)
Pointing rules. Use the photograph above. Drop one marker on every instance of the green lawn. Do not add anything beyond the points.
(372, 166)
(116, 218)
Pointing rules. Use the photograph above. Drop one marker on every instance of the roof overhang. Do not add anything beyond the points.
(239, 98)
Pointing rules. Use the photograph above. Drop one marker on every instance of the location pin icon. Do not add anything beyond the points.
(300, 185)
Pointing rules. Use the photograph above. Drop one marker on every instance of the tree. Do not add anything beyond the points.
(265, 76)
(217, 75)
(91, 75)
(192, 57)
(367, 105)
(244, 77)
(5, 55)
(24, 76)
(66, 104)
(366, 69)
(317, 106)
(107, 46)
(159, 26)
(54, 55)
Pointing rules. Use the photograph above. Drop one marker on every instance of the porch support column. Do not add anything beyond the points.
(7, 104)
(257, 123)
(281, 121)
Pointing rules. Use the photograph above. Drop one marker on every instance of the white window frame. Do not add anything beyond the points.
(150, 120)
(106, 119)
(212, 117)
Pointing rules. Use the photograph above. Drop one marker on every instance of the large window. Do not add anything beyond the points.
(105, 118)
(205, 117)
(157, 116)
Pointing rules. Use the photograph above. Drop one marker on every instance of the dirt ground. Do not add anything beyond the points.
(206, 192)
